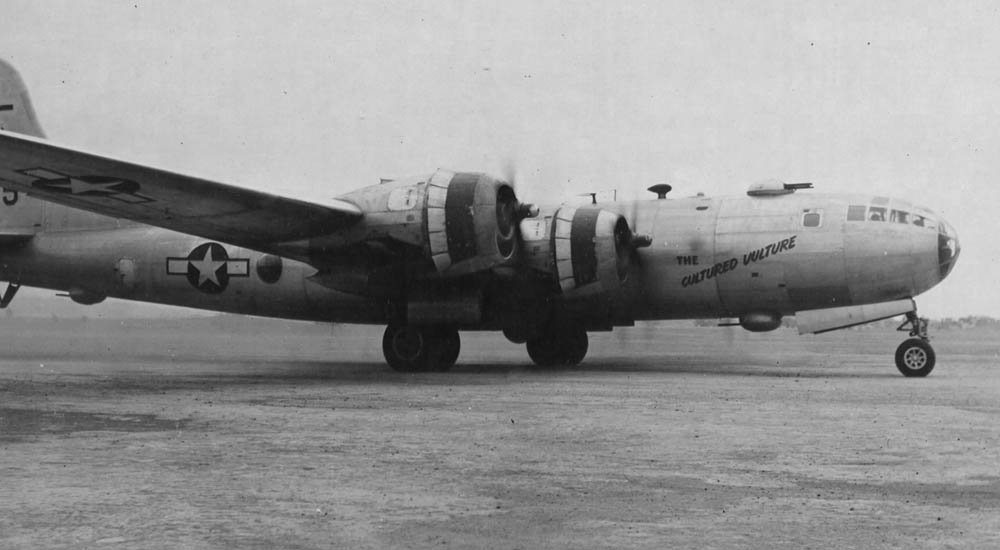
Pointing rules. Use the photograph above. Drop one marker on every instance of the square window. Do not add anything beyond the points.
(856, 213)
(811, 219)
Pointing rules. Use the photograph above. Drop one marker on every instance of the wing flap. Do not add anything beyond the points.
(187, 204)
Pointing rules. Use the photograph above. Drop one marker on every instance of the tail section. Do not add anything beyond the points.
(20, 216)
(16, 113)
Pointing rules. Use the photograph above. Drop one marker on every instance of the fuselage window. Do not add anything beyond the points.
(811, 219)
(876, 214)
(856, 213)
(899, 216)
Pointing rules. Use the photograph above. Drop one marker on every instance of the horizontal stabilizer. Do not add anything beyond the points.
(816, 321)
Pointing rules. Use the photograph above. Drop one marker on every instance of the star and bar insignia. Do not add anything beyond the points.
(209, 268)
(118, 189)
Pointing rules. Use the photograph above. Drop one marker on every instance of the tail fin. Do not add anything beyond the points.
(21, 216)
(16, 113)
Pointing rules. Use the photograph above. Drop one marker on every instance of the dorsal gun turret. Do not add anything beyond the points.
(772, 188)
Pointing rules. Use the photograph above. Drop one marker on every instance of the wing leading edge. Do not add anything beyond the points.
(217, 211)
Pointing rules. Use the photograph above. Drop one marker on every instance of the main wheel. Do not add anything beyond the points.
(915, 358)
(444, 345)
(561, 347)
(405, 348)
(418, 349)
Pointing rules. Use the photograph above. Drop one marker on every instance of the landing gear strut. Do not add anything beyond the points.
(410, 348)
(915, 357)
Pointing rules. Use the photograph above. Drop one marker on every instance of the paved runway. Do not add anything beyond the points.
(259, 434)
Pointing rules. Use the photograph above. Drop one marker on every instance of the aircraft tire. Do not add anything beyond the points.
(577, 348)
(564, 347)
(405, 348)
(443, 346)
(515, 336)
(915, 358)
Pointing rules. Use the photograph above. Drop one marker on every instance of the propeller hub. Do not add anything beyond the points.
(527, 210)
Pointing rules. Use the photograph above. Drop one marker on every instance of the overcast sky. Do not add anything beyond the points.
(317, 98)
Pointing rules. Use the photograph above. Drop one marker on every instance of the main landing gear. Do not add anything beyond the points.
(915, 357)
(558, 346)
(410, 348)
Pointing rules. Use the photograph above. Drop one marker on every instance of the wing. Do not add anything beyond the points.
(208, 209)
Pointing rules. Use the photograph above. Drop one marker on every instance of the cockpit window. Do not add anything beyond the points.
(872, 213)
(924, 221)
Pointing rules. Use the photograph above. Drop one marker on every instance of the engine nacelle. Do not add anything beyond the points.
(591, 250)
(463, 222)
(588, 250)
(471, 221)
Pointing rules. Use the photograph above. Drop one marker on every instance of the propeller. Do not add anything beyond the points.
(519, 210)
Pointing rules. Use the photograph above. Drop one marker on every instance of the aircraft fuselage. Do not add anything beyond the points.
(709, 257)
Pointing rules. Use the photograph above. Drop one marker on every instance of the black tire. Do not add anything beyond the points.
(562, 347)
(515, 336)
(915, 358)
(577, 347)
(542, 351)
(405, 348)
(443, 347)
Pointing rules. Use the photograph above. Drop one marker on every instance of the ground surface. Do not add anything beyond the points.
(257, 434)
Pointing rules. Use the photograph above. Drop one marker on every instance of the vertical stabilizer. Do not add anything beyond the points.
(16, 113)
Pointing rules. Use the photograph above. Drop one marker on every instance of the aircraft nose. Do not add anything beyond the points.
(948, 248)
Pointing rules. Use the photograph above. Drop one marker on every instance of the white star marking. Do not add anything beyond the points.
(208, 268)
(79, 186)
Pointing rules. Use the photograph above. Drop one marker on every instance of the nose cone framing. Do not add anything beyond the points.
(948, 248)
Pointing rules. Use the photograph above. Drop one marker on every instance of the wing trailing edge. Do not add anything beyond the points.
(187, 204)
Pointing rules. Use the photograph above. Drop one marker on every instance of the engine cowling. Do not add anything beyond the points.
(591, 250)
(471, 221)
(461, 222)
(589, 255)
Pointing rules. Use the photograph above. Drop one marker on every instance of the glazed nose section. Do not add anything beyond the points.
(948, 248)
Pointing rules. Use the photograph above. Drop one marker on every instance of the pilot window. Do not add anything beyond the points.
(856, 213)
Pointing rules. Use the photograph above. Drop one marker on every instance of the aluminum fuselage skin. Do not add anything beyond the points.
(709, 257)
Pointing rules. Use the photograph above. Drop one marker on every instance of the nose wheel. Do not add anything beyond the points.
(915, 357)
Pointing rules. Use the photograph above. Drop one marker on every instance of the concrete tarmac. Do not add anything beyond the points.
(221, 433)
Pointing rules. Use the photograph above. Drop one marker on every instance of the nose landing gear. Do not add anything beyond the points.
(915, 357)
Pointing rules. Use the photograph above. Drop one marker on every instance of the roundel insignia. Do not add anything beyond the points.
(208, 268)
